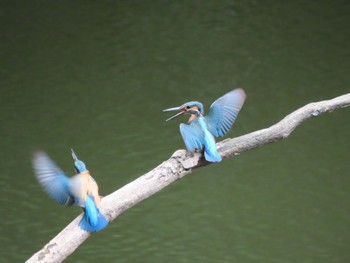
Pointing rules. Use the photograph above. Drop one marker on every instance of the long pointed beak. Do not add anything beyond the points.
(176, 115)
(74, 155)
(172, 109)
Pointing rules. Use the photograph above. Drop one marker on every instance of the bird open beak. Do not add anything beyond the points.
(74, 155)
(177, 114)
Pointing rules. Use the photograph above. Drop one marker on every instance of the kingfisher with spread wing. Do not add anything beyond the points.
(199, 133)
(81, 189)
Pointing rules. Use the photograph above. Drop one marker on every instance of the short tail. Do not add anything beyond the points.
(93, 220)
(210, 152)
(212, 156)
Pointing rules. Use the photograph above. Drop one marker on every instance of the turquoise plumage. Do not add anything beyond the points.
(81, 189)
(199, 133)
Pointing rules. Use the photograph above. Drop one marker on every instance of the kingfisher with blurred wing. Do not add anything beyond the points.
(199, 133)
(81, 189)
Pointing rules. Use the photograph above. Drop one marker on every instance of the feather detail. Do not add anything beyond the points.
(53, 180)
(224, 111)
(93, 220)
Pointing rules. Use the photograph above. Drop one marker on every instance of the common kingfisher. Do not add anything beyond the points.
(199, 133)
(81, 189)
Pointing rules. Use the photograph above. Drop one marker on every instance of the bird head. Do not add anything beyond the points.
(192, 108)
(79, 165)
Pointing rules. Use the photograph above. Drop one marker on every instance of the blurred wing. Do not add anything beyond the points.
(224, 111)
(54, 181)
(192, 135)
(78, 188)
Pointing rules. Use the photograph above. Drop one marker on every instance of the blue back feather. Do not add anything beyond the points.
(91, 210)
(196, 136)
(192, 135)
(210, 152)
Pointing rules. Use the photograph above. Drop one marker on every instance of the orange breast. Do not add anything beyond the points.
(192, 117)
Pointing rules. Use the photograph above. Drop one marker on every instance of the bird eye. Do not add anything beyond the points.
(187, 107)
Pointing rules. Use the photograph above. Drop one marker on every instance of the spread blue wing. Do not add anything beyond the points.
(192, 135)
(54, 181)
(224, 111)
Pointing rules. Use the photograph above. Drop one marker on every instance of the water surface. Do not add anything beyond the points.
(95, 77)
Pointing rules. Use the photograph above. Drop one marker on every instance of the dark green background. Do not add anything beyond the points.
(95, 76)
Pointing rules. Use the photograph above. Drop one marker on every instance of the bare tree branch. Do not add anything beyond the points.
(175, 168)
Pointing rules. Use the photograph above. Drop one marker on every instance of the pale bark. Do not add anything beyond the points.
(177, 166)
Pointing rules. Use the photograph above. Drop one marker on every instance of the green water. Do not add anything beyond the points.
(95, 76)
